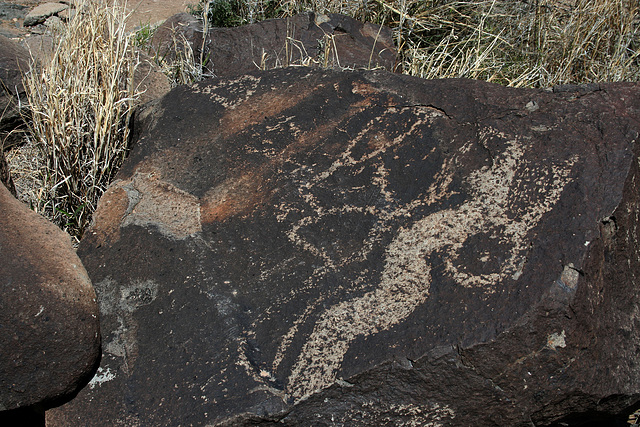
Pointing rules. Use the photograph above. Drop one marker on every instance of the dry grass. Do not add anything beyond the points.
(81, 103)
(179, 63)
(294, 54)
(535, 43)
(532, 44)
(176, 58)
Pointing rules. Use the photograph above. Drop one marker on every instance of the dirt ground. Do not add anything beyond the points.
(12, 13)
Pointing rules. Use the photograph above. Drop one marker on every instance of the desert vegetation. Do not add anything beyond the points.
(521, 43)
(81, 103)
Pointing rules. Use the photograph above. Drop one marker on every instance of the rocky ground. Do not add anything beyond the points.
(13, 12)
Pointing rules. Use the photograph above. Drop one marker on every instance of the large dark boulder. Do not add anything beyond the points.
(322, 248)
(49, 328)
(329, 41)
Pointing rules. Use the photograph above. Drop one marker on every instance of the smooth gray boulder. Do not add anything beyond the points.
(42, 12)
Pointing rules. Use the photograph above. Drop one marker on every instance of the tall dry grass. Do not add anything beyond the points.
(81, 104)
(533, 44)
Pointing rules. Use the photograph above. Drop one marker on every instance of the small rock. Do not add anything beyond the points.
(53, 22)
(40, 13)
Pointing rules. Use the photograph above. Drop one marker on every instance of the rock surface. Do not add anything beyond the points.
(154, 12)
(5, 176)
(49, 329)
(14, 60)
(320, 248)
(329, 41)
(149, 80)
(40, 13)
(41, 47)
(11, 18)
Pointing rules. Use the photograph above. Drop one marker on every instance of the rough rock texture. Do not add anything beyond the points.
(334, 41)
(49, 329)
(154, 12)
(149, 80)
(14, 60)
(5, 176)
(11, 17)
(41, 47)
(323, 248)
(40, 13)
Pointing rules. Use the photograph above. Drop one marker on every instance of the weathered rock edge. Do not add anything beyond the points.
(5, 176)
(14, 61)
(330, 41)
(310, 247)
(49, 328)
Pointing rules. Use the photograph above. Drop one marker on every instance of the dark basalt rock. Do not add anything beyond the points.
(321, 248)
(14, 61)
(329, 41)
(49, 328)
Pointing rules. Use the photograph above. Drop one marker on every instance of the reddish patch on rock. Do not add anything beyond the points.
(233, 197)
(110, 213)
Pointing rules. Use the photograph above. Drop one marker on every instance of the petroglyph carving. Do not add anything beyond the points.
(405, 280)
(122, 302)
(239, 90)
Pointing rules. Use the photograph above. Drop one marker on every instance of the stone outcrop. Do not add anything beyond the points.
(41, 47)
(42, 12)
(329, 41)
(320, 248)
(14, 60)
(154, 12)
(49, 329)
(149, 80)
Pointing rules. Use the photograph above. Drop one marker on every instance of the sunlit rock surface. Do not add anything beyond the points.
(324, 248)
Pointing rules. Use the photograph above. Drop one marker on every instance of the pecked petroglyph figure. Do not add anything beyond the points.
(404, 235)
(406, 276)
